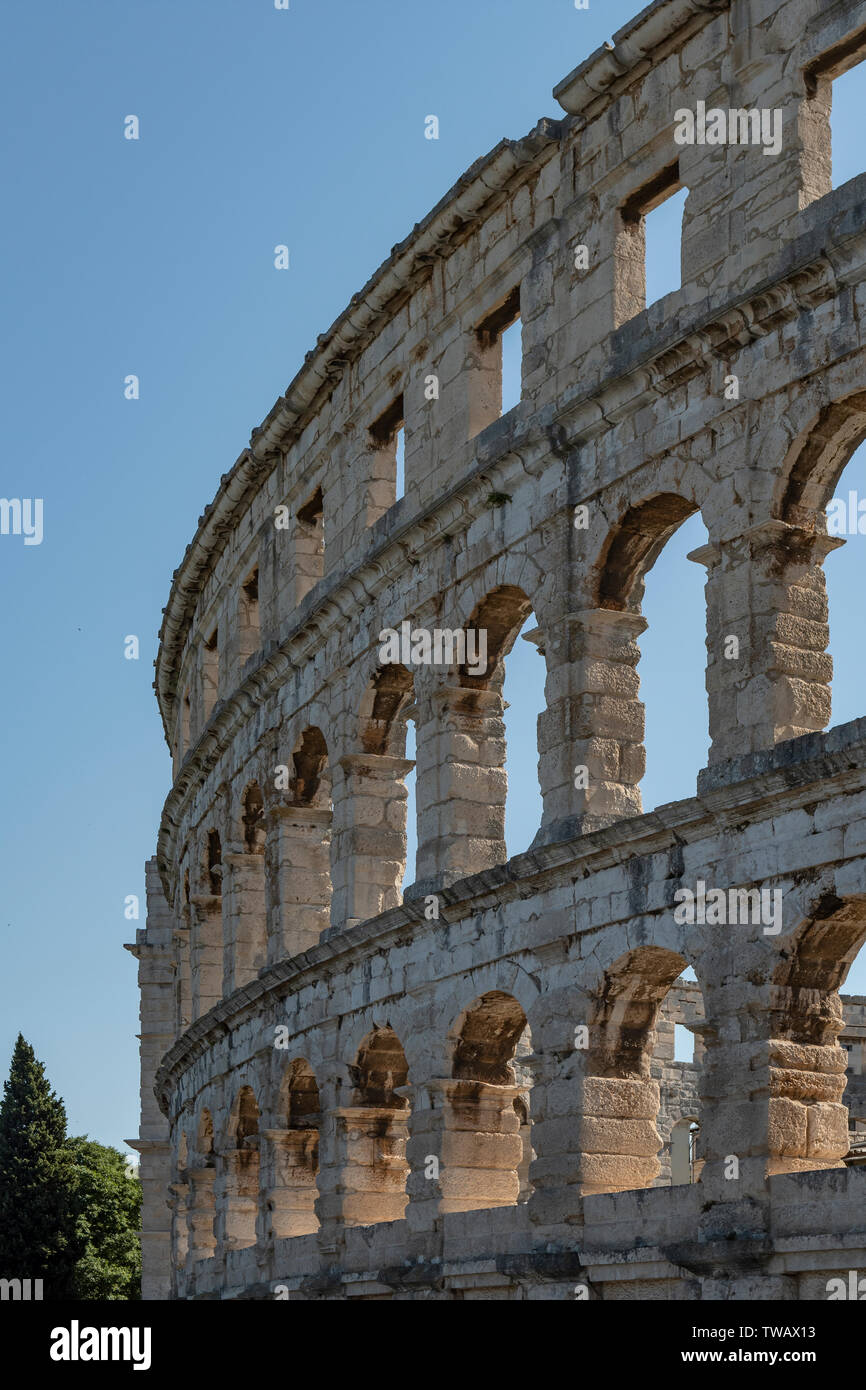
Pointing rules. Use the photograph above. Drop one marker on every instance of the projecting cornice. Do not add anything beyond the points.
(636, 46)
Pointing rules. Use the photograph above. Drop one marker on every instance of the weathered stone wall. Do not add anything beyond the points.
(341, 1054)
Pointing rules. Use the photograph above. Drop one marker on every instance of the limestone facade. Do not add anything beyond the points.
(463, 1089)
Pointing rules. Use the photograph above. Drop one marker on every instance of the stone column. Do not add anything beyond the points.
(290, 1160)
(428, 1116)
(591, 753)
(178, 1202)
(481, 1147)
(297, 879)
(369, 857)
(205, 952)
(236, 1195)
(245, 926)
(182, 983)
(201, 1208)
(768, 671)
(362, 1179)
(461, 784)
(808, 1125)
(616, 1134)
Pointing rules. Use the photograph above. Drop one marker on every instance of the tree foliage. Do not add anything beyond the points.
(69, 1208)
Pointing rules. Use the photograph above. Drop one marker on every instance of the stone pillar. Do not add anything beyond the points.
(424, 1152)
(617, 1135)
(245, 926)
(362, 1178)
(236, 1195)
(290, 1161)
(200, 1212)
(807, 1124)
(182, 981)
(297, 879)
(178, 1206)
(461, 784)
(205, 952)
(369, 857)
(481, 1146)
(591, 753)
(768, 673)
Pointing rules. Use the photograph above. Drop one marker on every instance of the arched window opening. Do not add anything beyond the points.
(295, 1155)
(817, 1098)
(677, 1063)
(631, 1064)
(248, 636)
(506, 737)
(486, 1148)
(374, 1132)
(238, 1193)
(201, 1208)
(214, 863)
(684, 1160)
(658, 536)
(388, 731)
(298, 851)
(844, 569)
(524, 694)
(310, 784)
(371, 802)
(254, 820)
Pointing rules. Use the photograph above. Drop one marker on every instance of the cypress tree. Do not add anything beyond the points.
(38, 1238)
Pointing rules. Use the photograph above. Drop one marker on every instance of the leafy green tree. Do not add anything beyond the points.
(39, 1237)
(108, 1207)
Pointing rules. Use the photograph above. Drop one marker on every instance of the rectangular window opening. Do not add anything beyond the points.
(649, 249)
(309, 544)
(185, 712)
(248, 616)
(836, 85)
(388, 442)
(846, 117)
(684, 1044)
(500, 343)
(210, 673)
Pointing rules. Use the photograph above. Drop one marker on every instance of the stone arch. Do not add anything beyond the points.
(201, 1176)
(619, 1139)
(253, 819)
(486, 1144)
(294, 1154)
(387, 696)
(204, 1143)
(298, 849)
(808, 1123)
(462, 781)
(373, 1131)
(500, 614)
(610, 753)
(633, 547)
(381, 1070)
(371, 799)
(213, 865)
(237, 1193)
(309, 777)
(817, 457)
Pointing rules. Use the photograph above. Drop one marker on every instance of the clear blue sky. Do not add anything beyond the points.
(155, 257)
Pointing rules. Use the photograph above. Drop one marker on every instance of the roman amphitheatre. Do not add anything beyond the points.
(465, 1087)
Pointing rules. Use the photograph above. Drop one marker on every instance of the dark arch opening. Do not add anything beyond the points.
(310, 758)
(635, 546)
